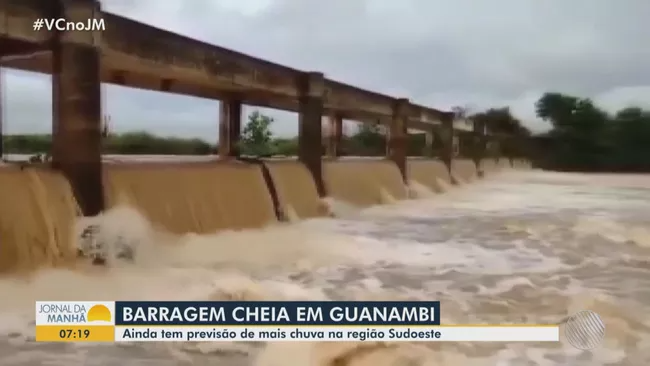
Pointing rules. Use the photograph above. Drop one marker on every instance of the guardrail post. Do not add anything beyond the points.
(77, 109)
(397, 138)
(230, 115)
(310, 143)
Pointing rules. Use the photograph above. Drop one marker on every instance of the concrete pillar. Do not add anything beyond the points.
(230, 115)
(335, 133)
(311, 106)
(77, 114)
(397, 138)
(448, 141)
(478, 144)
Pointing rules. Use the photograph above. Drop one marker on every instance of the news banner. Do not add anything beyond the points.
(273, 321)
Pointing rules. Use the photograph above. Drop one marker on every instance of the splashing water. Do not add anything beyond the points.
(458, 180)
(386, 197)
(291, 214)
(340, 209)
(418, 190)
(442, 185)
(521, 247)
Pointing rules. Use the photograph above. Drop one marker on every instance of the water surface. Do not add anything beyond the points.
(520, 247)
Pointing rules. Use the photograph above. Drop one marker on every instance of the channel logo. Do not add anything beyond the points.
(584, 330)
(74, 313)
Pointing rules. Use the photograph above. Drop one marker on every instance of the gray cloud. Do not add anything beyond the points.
(438, 53)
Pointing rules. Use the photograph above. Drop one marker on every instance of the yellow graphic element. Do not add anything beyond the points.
(75, 333)
(99, 313)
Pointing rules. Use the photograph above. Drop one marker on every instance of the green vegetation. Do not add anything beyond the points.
(136, 143)
(583, 137)
(256, 137)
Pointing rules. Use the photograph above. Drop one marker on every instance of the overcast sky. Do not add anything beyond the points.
(439, 53)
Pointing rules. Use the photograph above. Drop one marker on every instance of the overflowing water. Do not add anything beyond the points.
(517, 247)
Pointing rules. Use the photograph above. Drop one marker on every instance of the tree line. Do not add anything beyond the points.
(583, 137)
(257, 139)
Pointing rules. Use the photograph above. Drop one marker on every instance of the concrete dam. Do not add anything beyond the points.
(39, 208)
(230, 193)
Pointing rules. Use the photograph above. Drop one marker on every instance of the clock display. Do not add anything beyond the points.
(75, 333)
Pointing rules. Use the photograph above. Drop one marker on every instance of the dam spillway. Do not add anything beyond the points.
(38, 213)
(296, 190)
(200, 198)
(364, 182)
(39, 219)
(192, 197)
(215, 196)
